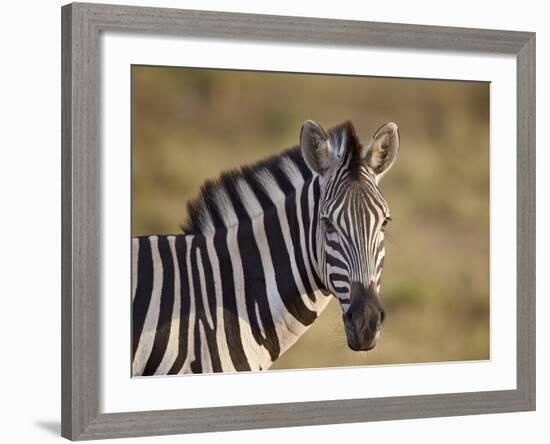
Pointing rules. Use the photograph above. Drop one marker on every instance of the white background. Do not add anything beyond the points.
(30, 221)
(121, 393)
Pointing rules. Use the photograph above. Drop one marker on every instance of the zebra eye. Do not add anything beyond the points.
(329, 228)
(386, 221)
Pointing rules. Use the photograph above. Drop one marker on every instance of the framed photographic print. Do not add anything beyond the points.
(278, 221)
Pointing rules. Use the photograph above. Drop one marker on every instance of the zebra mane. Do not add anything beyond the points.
(250, 190)
(220, 202)
(344, 138)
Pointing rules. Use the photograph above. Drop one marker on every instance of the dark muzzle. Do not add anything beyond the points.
(364, 318)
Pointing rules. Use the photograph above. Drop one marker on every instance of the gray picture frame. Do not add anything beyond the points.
(81, 232)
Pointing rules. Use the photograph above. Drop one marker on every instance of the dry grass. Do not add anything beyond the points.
(189, 125)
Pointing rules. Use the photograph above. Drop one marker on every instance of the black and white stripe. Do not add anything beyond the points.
(256, 263)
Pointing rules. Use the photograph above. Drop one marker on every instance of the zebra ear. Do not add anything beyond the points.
(314, 146)
(382, 150)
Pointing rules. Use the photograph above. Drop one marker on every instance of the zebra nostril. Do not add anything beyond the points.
(347, 316)
(382, 317)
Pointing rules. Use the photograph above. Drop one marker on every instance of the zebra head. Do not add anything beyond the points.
(352, 217)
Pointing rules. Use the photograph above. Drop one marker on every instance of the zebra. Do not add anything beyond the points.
(264, 249)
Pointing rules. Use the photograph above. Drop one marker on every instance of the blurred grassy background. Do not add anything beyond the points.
(191, 124)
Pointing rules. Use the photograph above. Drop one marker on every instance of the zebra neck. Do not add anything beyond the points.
(234, 299)
(275, 249)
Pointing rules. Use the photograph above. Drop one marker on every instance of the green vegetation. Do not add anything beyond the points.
(191, 124)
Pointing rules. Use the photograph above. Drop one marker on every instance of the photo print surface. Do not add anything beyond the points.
(294, 221)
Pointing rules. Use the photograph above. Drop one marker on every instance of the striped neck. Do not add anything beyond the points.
(240, 294)
(279, 292)
(275, 290)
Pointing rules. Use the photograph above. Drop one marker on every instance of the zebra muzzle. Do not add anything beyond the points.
(364, 318)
